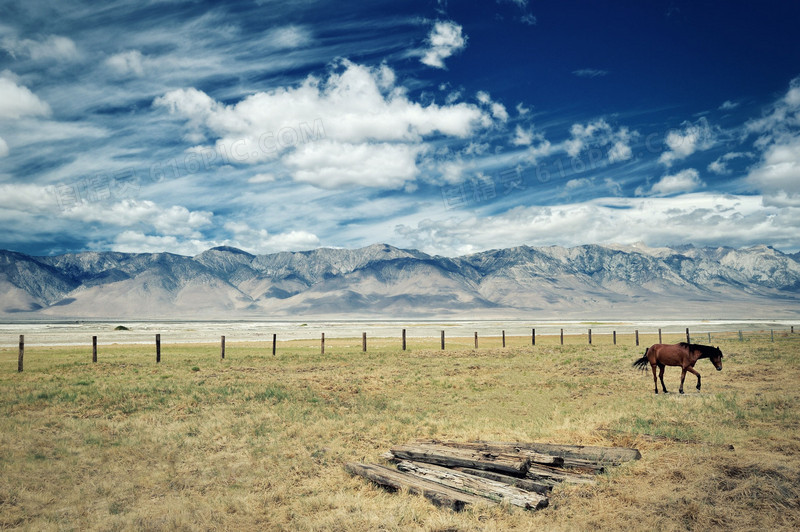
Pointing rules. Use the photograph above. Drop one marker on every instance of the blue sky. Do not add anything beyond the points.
(450, 126)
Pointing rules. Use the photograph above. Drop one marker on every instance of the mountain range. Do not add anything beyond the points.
(381, 281)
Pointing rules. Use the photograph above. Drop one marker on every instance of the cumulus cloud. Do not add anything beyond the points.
(720, 165)
(701, 218)
(245, 237)
(522, 137)
(497, 109)
(684, 181)
(684, 142)
(600, 134)
(175, 220)
(17, 101)
(357, 127)
(444, 40)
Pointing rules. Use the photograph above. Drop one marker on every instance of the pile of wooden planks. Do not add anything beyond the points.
(456, 474)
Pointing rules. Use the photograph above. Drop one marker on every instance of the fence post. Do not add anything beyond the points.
(94, 349)
(615, 337)
(792, 330)
(158, 348)
(21, 352)
(222, 347)
(533, 336)
(562, 336)
(637, 336)
(688, 338)
(476, 339)
(504, 338)
(442, 340)
(364, 342)
(659, 336)
(590, 337)
(741, 338)
(709, 338)
(322, 345)
(404, 339)
(771, 335)
(274, 342)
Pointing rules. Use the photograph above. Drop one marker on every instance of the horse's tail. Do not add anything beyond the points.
(642, 362)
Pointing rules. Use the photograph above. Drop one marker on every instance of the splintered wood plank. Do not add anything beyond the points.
(500, 447)
(542, 488)
(603, 455)
(509, 463)
(543, 473)
(491, 489)
(438, 494)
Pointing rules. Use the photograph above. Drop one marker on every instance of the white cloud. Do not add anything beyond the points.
(777, 176)
(331, 132)
(138, 242)
(243, 236)
(261, 178)
(590, 73)
(289, 37)
(175, 220)
(522, 110)
(3, 148)
(497, 109)
(684, 142)
(328, 164)
(701, 218)
(444, 40)
(130, 63)
(17, 101)
(728, 105)
(54, 47)
(574, 184)
(680, 183)
(600, 134)
(522, 137)
(720, 166)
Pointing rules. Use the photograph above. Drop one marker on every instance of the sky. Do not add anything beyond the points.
(447, 126)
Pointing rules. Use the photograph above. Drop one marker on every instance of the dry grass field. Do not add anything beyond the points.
(256, 442)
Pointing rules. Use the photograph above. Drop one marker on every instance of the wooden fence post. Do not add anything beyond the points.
(792, 330)
(274, 343)
(659, 336)
(21, 352)
(533, 336)
(504, 338)
(590, 337)
(158, 348)
(614, 334)
(222, 347)
(741, 338)
(771, 335)
(94, 349)
(637, 336)
(688, 338)
(562, 336)
(364, 342)
(442, 340)
(709, 338)
(404, 339)
(476, 339)
(322, 344)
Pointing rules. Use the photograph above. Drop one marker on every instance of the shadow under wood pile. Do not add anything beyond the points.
(455, 474)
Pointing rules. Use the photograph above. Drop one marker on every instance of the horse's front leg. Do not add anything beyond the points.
(655, 380)
(694, 372)
(683, 377)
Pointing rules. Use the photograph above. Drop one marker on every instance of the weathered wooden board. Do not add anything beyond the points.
(493, 490)
(515, 464)
(498, 448)
(436, 493)
(543, 473)
(603, 455)
(543, 488)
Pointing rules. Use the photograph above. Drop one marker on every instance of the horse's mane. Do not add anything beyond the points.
(706, 351)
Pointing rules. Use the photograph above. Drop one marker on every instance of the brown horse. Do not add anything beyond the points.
(683, 355)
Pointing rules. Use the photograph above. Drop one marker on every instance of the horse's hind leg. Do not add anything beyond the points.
(661, 376)
(683, 377)
(655, 381)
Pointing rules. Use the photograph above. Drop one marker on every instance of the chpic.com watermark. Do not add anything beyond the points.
(127, 183)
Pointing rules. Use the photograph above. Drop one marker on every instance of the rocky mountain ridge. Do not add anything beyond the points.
(384, 281)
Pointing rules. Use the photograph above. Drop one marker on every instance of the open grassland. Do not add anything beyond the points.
(259, 442)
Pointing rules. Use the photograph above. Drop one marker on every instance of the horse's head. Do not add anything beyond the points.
(716, 358)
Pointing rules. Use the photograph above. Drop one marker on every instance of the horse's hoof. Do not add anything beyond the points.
(681, 391)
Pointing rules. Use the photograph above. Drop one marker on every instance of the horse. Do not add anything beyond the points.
(683, 354)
